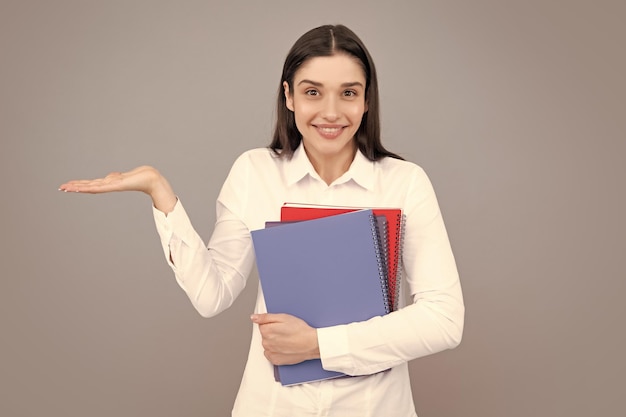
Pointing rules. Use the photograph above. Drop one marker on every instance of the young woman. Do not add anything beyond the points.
(326, 150)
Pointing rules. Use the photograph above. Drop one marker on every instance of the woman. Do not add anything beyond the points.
(326, 150)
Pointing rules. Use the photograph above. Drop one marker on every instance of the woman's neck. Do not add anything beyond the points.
(331, 167)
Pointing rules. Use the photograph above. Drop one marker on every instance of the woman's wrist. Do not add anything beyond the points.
(162, 194)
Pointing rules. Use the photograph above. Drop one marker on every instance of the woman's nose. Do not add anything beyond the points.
(330, 110)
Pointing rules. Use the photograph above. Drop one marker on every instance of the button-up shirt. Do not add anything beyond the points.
(374, 352)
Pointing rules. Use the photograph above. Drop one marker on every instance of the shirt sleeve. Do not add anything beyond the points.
(212, 276)
(431, 323)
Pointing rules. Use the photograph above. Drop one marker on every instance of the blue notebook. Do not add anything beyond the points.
(326, 271)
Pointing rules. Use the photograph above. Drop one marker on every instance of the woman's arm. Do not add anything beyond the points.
(431, 323)
(211, 278)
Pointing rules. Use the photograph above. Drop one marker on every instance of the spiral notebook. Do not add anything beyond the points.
(383, 240)
(327, 271)
(395, 235)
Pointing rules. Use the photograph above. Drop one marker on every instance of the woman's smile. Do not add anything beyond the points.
(329, 131)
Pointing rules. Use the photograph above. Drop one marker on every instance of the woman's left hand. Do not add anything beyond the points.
(286, 339)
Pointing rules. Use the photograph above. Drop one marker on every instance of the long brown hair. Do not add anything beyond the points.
(329, 40)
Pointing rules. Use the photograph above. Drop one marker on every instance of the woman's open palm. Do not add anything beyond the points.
(145, 179)
(139, 179)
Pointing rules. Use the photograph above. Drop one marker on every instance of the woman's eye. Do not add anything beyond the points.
(311, 92)
(349, 93)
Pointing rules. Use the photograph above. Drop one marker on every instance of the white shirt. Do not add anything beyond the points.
(375, 351)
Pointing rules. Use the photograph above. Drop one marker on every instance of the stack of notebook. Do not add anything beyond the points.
(392, 234)
(328, 266)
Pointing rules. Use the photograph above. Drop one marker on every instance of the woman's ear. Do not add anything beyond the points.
(288, 96)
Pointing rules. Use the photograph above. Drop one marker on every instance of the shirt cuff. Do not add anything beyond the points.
(334, 348)
(173, 228)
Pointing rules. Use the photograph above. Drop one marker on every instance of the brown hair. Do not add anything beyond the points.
(329, 40)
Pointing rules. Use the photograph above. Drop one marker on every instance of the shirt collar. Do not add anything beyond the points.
(361, 170)
(299, 166)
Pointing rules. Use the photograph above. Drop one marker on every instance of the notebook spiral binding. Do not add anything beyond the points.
(396, 262)
(382, 269)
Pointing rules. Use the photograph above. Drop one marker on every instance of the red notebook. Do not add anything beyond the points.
(395, 222)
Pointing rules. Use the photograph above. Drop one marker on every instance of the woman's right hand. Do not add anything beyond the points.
(144, 178)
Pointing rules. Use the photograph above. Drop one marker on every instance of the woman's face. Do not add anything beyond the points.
(328, 101)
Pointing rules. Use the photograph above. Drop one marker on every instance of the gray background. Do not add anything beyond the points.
(514, 108)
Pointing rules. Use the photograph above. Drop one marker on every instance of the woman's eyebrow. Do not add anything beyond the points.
(318, 84)
(353, 84)
(315, 83)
